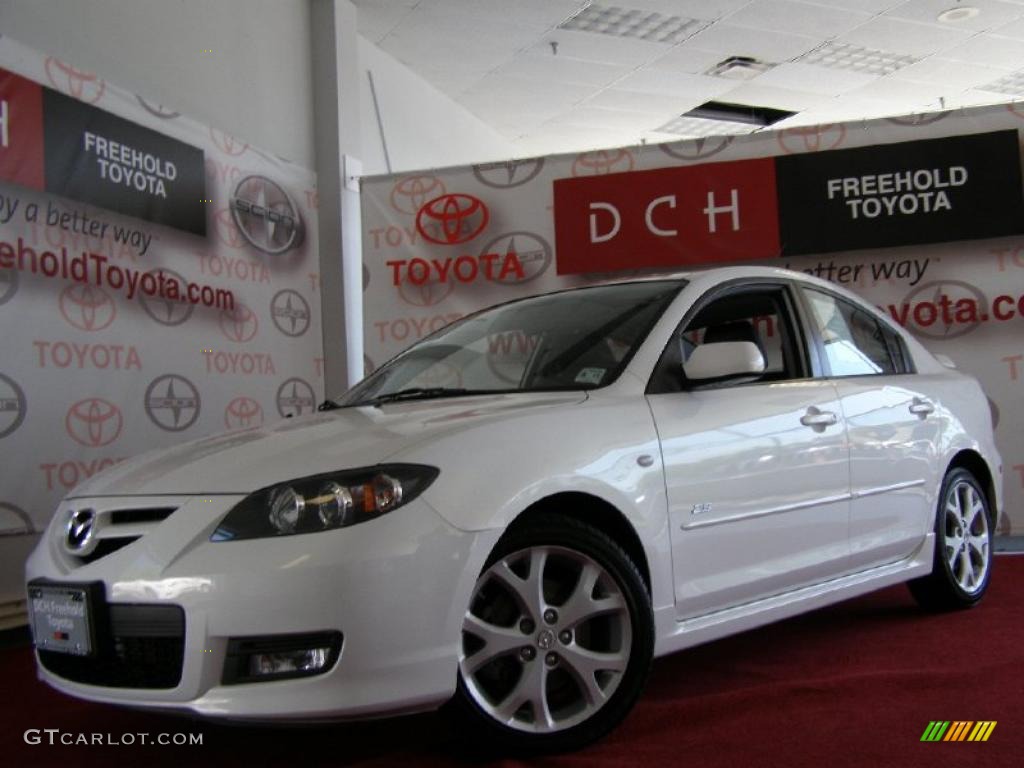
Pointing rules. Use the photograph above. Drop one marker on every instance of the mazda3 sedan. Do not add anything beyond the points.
(513, 516)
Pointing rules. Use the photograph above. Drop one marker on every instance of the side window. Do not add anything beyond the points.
(855, 342)
(759, 315)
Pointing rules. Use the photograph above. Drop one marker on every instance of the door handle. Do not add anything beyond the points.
(818, 419)
(921, 407)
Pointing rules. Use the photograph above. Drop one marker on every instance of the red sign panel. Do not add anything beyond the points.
(668, 217)
(21, 131)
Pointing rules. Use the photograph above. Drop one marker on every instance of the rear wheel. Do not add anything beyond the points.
(557, 640)
(963, 546)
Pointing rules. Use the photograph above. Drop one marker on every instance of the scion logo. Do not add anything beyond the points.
(813, 138)
(87, 307)
(163, 310)
(452, 219)
(426, 295)
(79, 538)
(295, 397)
(239, 324)
(94, 422)
(532, 251)
(172, 402)
(513, 173)
(698, 149)
(290, 312)
(603, 161)
(227, 143)
(243, 413)
(157, 110)
(944, 309)
(12, 405)
(409, 194)
(9, 285)
(266, 215)
(76, 83)
(227, 231)
(916, 120)
(14, 521)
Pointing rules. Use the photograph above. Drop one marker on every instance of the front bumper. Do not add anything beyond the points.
(396, 588)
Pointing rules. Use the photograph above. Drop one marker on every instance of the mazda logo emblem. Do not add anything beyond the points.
(80, 539)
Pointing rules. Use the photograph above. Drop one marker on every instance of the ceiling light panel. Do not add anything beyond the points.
(856, 58)
(631, 22)
(1012, 84)
(698, 126)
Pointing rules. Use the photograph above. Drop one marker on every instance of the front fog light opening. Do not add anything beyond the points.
(280, 657)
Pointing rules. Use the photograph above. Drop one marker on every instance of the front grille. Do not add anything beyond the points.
(107, 529)
(137, 646)
(107, 547)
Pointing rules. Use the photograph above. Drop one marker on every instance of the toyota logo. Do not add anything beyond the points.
(163, 310)
(923, 307)
(426, 295)
(409, 194)
(77, 83)
(697, 149)
(172, 402)
(12, 405)
(239, 324)
(227, 143)
(290, 312)
(813, 138)
(513, 173)
(916, 120)
(532, 251)
(94, 422)
(87, 307)
(8, 285)
(452, 219)
(243, 413)
(80, 536)
(266, 215)
(14, 521)
(295, 397)
(157, 110)
(602, 162)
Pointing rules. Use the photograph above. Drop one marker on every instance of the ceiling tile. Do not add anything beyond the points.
(688, 58)
(798, 18)
(616, 119)
(766, 45)
(1013, 29)
(636, 101)
(604, 49)
(779, 98)
(911, 93)
(960, 74)
(815, 79)
(651, 80)
(562, 68)
(899, 36)
(993, 13)
(989, 50)
(865, 6)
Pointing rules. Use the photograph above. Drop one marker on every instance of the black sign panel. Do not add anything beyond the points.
(928, 191)
(104, 160)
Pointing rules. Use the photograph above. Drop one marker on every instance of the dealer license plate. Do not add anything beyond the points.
(60, 619)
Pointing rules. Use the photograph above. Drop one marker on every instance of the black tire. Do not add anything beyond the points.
(571, 718)
(962, 564)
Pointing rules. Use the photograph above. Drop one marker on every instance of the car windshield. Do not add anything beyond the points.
(576, 339)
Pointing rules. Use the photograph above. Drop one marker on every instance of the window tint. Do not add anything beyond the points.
(855, 343)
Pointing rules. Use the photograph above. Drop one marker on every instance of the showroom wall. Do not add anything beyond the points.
(440, 244)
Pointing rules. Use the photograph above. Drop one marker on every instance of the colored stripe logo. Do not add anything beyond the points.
(958, 730)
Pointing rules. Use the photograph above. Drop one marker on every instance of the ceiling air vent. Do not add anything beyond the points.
(739, 68)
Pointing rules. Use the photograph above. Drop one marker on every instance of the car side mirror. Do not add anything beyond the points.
(724, 360)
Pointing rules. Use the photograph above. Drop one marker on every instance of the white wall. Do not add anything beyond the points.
(423, 127)
(256, 84)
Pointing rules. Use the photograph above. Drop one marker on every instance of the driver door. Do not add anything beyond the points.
(756, 472)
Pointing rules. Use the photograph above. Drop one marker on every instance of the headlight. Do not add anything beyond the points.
(324, 502)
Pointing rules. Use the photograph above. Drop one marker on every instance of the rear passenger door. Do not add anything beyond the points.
(892, 428)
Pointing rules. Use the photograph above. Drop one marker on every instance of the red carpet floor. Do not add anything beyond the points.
(852, 685)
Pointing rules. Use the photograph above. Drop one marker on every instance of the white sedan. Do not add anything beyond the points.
(516, 514)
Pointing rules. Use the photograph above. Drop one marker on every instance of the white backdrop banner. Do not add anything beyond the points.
(440, 244)
(102, 361)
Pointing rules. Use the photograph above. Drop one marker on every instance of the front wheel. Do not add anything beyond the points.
(963, 546)
(557, 640)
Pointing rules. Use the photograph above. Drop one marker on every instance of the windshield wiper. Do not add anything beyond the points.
(419, 393)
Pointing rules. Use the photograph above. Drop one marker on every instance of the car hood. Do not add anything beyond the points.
(241, 462)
